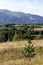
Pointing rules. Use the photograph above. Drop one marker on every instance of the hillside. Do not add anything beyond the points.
(8, 17)
(10, 53)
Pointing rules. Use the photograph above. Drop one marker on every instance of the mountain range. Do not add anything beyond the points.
(11, 17)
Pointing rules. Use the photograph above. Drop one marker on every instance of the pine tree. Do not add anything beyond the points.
(29, 51)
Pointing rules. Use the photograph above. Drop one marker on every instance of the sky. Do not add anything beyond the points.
(27, 6)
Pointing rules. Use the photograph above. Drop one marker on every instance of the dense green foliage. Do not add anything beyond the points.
(13, 32)
(29, 50)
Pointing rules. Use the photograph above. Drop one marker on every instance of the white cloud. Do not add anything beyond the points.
(28, 6)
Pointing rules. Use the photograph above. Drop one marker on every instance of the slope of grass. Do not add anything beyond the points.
(10, 53)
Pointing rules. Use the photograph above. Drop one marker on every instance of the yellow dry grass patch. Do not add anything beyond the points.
(15, 44)
(19, 44)
(10, 53)
(38, 29)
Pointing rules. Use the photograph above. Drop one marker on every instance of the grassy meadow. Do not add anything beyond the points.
(10, 53)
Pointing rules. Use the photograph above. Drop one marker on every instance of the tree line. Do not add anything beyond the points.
(19, 32)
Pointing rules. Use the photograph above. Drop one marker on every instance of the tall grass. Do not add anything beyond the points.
(13, 56)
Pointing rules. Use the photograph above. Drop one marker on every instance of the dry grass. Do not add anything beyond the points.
(10, 53)
(38, 29)
(19, 44)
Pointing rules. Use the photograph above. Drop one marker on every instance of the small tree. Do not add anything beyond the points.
(29, 51)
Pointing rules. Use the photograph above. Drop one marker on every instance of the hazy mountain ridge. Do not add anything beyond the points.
(8, 17)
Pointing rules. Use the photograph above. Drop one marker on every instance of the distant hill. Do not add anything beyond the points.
(10, 17)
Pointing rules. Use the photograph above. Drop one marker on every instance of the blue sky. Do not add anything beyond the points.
(27, 6)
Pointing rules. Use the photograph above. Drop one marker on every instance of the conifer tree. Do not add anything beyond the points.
(29, 51)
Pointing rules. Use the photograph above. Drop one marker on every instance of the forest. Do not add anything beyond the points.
(12, 32)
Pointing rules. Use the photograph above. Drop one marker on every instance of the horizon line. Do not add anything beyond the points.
(22, 12)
